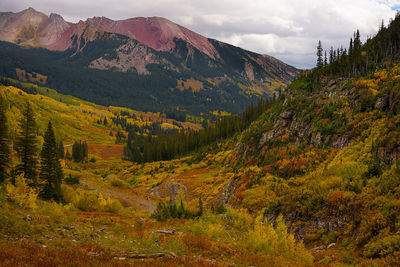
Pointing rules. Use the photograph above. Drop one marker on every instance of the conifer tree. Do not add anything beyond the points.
(26, 144)
(61, 152)
(51, 173)
(4, 142)
(320, 60)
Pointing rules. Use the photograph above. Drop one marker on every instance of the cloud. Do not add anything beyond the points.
(286, 29)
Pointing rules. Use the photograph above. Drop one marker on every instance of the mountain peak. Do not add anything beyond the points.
(156, 32)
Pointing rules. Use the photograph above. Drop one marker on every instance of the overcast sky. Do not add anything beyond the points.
(286, 29)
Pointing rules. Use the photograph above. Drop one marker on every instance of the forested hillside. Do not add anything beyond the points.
(147, 64)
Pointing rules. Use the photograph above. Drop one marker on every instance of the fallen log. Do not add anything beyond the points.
(168, 232)
(145, 256)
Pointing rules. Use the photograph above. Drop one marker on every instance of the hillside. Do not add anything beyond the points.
(110, 205)
(149, 64)
(309, 177)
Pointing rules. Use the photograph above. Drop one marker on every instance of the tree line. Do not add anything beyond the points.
(148, 148)
(42, 170)
(360, 59)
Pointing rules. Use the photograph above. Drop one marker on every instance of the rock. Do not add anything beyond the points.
(286, 115)
(102, 229)
(299, 128)
(227, 192)
(171, 190)
(317, 249)
(331, 245)
(172, 254)
(241, 150)
(382, 103)
(331, 83)
(69, 228)
(341, 142)
(317, 140)
(388, 155)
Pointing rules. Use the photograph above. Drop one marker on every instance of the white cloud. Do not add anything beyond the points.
(287, 29)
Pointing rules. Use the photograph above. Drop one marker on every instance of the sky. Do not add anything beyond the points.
(286, 29)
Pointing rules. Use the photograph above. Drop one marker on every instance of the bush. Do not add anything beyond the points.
(117, 182)
(90, 201)
(71, 180)
(87, 202)
(389, 245)
(276, 241)
(22, 194)
(165, 212)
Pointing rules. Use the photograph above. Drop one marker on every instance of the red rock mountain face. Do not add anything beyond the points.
(33, 28)
(155, 32)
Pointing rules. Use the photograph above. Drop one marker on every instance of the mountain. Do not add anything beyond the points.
(31, 28)
(150, 64)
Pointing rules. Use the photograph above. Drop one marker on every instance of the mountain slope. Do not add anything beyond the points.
(168, 66)
(326, 156)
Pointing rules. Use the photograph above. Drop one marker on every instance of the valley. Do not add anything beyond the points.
(237, 160)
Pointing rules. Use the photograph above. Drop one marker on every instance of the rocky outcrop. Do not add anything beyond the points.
(130, 56)
(226, 194)
(382, 103)
(287, 123)
(389, 156)
(171, 190)
(341, 142)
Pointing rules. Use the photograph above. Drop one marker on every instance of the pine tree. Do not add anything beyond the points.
(26, 145)
(51, 173)
(4, 142)
(320, 61)
(61, 152)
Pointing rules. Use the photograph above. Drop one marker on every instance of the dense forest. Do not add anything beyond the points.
(68, 72)
(166, 146)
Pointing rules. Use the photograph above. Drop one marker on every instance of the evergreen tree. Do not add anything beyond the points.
(26, 144)
(320, 60)
(51, 173)
(4, 142)
(80, 151)
(61, 152)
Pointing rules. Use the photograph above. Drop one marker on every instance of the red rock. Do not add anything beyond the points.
(155, 32)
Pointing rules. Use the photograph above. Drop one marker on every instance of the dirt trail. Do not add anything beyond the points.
(126, 199)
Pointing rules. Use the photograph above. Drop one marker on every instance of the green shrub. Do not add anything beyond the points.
(71, 180)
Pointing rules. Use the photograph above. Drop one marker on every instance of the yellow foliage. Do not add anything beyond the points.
(266, 239)
(90, 201)
(22, 194)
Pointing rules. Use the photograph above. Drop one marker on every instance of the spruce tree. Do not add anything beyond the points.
(26, 145)
(320, 61)
(4, 142)
(51, 173)
(61, 152)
